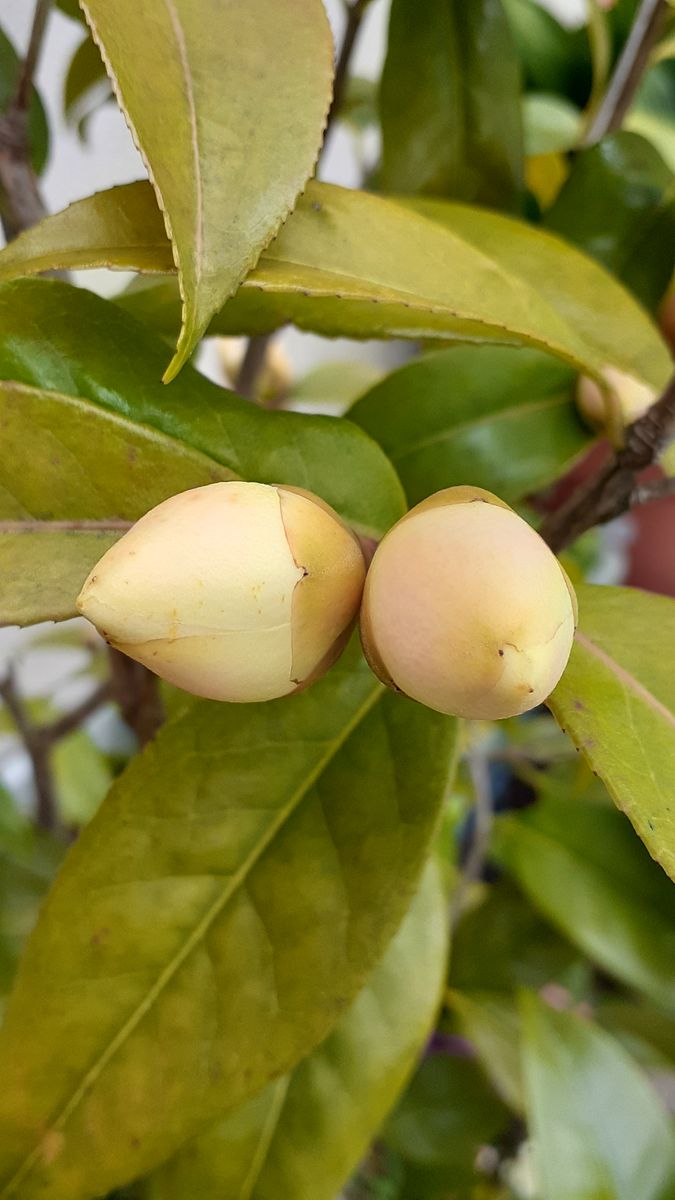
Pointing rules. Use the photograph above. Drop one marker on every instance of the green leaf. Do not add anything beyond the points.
(450, 103)
(86, 85)
(600, 1131)
(616, 701)
(28, 860)
(552, 125)
(554, 58)
(309, 1130)
(582, 866)
(491, 1024)
(238, 885)
(38, 128)
(447, 1113)
(494, 417)
(92, 435)
(82, 775)
(618, 205)
(230, 127)
(350, 264)
(517, 947)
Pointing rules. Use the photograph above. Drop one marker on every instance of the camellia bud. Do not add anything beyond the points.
(466, 609)
(233, 591)
(627, 399)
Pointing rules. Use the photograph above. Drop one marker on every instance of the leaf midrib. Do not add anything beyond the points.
(628, 681)
(491, 418)
(193, 940)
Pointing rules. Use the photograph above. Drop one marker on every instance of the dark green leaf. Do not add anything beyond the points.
(554, 58)
(212, 923)
(494, 417)
(28, 862)
(617, 702)
(600, 1131)
(450, 103)
(230, 128)
(304, 1135)
(38, 129)
(583, 866)
(619, 206)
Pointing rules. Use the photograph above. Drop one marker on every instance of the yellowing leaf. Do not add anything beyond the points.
(616, 701)
(228, 104)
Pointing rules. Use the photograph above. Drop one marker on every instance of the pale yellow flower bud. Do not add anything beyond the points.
(626, 399)
(234, 591)
(466, 609)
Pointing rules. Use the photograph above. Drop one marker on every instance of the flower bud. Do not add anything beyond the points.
(466, 609)
(626, 399)
(234, 591)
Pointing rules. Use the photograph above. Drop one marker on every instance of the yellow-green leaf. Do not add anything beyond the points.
(616, 701)
(351, 264)
(228, 105)
(305, 1134)
(213, 922)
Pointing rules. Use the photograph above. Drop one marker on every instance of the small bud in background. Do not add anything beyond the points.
(466, 609)
(610, 412)
(234, 591)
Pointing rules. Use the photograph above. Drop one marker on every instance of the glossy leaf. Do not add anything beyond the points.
(38, 128)
(310, 1129)
(450, 103)
(494, 417)
(61, 339)
(600, 1131)
(581, 864)
(618, 205)
(347, 263)
(228, 106)
(616, 701)
(239, 885)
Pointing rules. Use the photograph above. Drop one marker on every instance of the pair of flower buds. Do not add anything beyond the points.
(247, 592)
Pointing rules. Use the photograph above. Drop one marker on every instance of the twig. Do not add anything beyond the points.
(614, 490)
(71, 720)
(136, 690)
(253, 362)
(37, 749)
(483, 815)
(628, 71)
(657, 489)
(20, 202)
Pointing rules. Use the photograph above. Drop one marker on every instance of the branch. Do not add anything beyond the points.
(71, 720)
(37, 749)
(628, 71)
(136, 690)
(614, 490)
(20, 202)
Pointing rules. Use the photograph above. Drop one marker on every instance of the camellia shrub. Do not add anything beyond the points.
(369, 895)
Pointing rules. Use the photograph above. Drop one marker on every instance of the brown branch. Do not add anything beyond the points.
(657, 489)
(71, 720)
(614, 489)
(37, 749)
(628, 72)
(20, 201)
(136, 690)
(252, 365)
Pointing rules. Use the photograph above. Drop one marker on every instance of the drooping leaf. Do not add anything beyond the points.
(347, 263)
(309, 1130)
(238, 885)
(94, 436)
(450, 103)
(599, 1129)
(86, 85)
(581, 864)
(38, 128)
(228, 105)
(618, 205)
(616, 701)
(495, 417)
